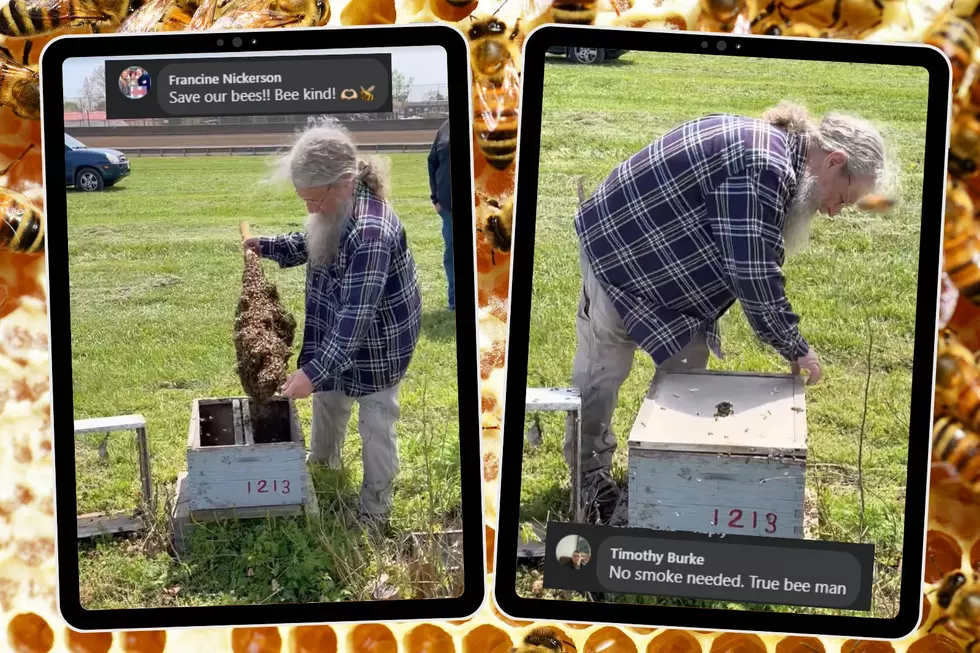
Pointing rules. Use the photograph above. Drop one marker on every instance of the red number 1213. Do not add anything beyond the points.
(736, 515)
(263, 487)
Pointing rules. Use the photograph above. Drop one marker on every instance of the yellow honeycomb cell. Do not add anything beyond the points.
(144, 641)
(429, 638)
(487, 638)
(313, 639)
(30, 633)
(78, 642)
(372, 638)
(256, 640)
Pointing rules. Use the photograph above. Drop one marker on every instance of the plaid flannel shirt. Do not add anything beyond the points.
(690, 224)
(364, 310)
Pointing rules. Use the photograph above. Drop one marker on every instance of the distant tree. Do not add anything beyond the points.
(401, 87)
(72, 107)
(434, 95)
(93, 91)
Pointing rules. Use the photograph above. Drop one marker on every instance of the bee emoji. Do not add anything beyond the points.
(959, 597)
(544, 640)
(495, 119)
(961, 242)
(160, 16)
(494, 50)
(19, 89)
(575, 12)
(367, 94)
(499, 224)
(876, 203)
(957, 38)
(24, 18)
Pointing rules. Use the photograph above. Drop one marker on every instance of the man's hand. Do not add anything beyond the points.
(438, 207)
(297, 386)
(252, 244)
(811, 364)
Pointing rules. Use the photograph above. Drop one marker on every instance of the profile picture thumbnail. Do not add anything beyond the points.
(573, 551)
(134, 82)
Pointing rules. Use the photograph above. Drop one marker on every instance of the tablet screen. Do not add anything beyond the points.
(723, 318)
(263, 329)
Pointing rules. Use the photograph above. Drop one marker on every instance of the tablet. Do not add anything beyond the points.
(722, 345)
(261, 257)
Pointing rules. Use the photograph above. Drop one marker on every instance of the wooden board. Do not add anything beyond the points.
(98, 523)
(554, 399)
(107, 424)
(679, 414)
(711, 493)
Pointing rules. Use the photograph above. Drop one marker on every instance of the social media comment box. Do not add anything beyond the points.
(709, 567)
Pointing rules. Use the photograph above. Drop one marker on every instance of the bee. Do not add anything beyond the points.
(495, 123)
(959, 597)
(964, 145)
(958, 447)
(494, 50)
(268, 14)
(847, 18)
(544, 640)
(160, 16)
(21, 224)
(876, 203)
(19, 89)
(575, 12)
(957, 38)
(957, 381)
(961, 242)
(25, 18)
(722, 12)
(498, 226)
(366, 94)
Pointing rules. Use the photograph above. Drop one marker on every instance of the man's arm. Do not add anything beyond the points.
(360, 293)
(434, 168)
(288, 250)
(741, 211)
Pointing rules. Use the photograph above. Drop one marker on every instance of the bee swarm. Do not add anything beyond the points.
(264, 332)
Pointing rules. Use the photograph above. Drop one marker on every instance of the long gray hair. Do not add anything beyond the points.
(324, 153)
(859, 139)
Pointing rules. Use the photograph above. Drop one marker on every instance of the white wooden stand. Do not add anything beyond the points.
(100, 523)
(569, 401)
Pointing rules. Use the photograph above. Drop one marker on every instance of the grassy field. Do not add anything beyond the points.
(156, 266)
(859, 267)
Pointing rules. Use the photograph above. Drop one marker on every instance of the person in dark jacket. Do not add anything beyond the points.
(439, 184)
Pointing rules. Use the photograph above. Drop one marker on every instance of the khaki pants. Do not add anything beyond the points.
(378, 414)
(603, 362)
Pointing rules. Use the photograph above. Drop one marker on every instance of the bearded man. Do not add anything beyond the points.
(697, 220)
(363, 306)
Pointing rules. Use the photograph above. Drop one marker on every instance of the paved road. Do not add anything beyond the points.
(409, 136)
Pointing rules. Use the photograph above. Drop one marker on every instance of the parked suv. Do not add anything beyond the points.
(90, 169)
(587, 55)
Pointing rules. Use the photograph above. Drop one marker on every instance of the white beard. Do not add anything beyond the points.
(799, 216)
(323, 234)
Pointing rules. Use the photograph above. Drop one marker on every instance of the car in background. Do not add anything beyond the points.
(587, 55)
(90, 169)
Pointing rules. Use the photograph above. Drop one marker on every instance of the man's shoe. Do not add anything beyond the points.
(601, 495)
(379, 525)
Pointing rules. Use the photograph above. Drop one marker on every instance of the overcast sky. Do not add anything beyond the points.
(426, 64)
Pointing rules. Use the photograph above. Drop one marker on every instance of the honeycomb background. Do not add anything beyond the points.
(28, 612)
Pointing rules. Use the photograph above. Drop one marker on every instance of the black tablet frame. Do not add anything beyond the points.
(278, 41)
(522, 256)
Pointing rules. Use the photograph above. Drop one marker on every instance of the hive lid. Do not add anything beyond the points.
(767, 414)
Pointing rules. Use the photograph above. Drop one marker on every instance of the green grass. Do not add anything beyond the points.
(857, 267)
(156, 266)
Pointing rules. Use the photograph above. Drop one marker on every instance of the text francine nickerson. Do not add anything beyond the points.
(227, 78)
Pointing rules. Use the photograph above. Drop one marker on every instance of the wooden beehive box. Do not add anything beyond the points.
(245, 463)
(691, 468)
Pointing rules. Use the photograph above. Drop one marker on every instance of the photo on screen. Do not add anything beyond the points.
(729, 305)
(268, 327)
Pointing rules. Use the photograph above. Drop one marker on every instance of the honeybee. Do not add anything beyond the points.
(964, 145)
(19, 89)
(160, 16)
(21, 224)
(842, 18)
(958, 447)
(957, 382)
(544, 640)
(957, 38)
(268, 14)
(25, 18)
(494, 50)
(876, 203)
(495, 123)
(959, 597)
(575, 12)
(498, 226)
(961, 242)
